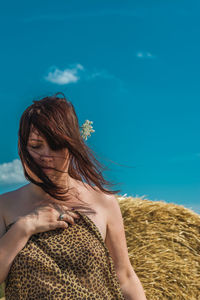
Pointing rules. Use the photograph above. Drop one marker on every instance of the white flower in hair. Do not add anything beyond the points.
(87, 129)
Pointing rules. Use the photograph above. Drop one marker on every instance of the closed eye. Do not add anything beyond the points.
(35, 147)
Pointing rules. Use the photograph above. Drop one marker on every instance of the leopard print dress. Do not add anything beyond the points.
(72, 263)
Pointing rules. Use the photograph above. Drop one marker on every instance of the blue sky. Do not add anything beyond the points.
(131, 67)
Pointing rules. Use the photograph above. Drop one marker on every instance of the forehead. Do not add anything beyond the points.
(34, 134)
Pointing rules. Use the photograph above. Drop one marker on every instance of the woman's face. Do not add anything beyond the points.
(45, 156)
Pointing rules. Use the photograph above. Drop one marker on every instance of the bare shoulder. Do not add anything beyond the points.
(103, 201)
(111, 208)
(101, 196)
(2, 201)
(8, 203)
(93, 194)
(107, 202)
(6, 198)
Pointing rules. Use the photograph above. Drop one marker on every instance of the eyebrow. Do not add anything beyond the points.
(36, 140)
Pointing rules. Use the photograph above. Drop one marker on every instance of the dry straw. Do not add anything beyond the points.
(163, 242)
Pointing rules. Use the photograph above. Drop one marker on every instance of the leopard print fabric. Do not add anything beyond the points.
(72, 263)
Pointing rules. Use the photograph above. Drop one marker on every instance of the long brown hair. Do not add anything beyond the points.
(55, 118)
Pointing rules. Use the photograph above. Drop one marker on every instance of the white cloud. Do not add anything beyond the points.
(12, 172)
(79, 66)
(64, 77)
(139, 54)
(73, 75)
(102, 73)
(145, 55)
(76, 72)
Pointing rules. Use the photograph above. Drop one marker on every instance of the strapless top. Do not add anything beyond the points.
(72, 263)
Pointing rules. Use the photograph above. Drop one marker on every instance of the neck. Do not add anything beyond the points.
(38, 193)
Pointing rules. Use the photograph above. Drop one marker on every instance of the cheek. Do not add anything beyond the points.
(63, 155)
(34, 155)
(63, 159)
(33, 152)
(31, 174)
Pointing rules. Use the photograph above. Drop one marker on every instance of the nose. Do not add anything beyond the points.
(46, 156)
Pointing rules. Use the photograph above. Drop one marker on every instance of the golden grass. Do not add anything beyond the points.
(163, 242)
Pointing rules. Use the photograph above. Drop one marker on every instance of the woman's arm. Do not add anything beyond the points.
(132, 289)
(10, 244)
(117, 246)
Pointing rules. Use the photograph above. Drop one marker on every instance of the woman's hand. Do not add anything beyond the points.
(45, 218)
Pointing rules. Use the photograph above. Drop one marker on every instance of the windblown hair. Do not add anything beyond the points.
(55, 119)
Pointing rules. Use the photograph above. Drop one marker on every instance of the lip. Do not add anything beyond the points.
(47, 169)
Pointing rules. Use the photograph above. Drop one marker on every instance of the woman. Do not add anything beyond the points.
(45, 254)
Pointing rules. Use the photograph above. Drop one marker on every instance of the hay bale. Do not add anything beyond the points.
(163, 242)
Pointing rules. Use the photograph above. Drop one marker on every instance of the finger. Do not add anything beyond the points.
(62, 224)
(73, 214)
(68, 218)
